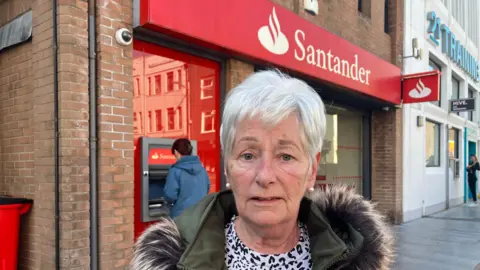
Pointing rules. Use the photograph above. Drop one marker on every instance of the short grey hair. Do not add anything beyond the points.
(272, 96)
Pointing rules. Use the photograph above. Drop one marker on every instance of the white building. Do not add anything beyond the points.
(436, 141)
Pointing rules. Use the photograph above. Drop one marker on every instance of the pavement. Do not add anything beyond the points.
(445, 240)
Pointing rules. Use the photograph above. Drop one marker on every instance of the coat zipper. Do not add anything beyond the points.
(336, 260)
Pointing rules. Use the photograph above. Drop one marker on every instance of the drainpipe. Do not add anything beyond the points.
(92, 93)
(56, 141)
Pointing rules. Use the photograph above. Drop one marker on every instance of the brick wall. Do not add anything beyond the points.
(116, 135)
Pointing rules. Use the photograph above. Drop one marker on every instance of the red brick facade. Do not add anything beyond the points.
(27, 127)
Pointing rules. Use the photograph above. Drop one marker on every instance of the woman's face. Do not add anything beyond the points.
(269, 171)
(472, 159)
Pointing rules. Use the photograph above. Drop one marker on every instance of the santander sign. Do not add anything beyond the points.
(274, 40)
(272, 35)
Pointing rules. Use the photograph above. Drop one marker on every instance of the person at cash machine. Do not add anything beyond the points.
(187, 180)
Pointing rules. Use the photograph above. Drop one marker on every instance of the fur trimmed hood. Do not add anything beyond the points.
(346, 217)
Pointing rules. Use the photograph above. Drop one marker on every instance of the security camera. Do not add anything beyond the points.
(124, 36)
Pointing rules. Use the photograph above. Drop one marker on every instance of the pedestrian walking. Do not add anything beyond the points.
(187, 180)
(472, 169)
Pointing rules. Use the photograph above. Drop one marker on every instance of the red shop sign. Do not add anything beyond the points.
(161, 156)
(268, 32)
(421, 87)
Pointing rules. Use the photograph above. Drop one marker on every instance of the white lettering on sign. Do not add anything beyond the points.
(328, 61)
(459, 102)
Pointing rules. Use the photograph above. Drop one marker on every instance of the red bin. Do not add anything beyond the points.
(10, 211)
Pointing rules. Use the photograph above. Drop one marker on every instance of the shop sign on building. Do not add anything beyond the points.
(462, 105)
(266, 32)
(451, 46)
(421, 87)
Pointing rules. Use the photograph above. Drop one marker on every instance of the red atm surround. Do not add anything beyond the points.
(153, 158)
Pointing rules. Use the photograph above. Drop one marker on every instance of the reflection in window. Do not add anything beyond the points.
(171, 118)
(208, 122)
(170, 81)
(136, 87)
(434, 66)
(149, 123)
(135, 124)
(158, 84)
(149, 90)
(206, 88)
(180, 117)
(432, 144)
(158, 120)
(179, 113)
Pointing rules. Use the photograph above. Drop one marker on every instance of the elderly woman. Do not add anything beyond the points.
(270, 216)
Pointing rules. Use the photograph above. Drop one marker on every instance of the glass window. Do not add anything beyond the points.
(158, 84)
(453, 143)
(385, 19)
(435, 66)
(206, 87)
(170, 81)
(158, 120)
(171, 118)
(471, 94)
(432, 144)
(184, 113)
(342, 150)
(455, 90)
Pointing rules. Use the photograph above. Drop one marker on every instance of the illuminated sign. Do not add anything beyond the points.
(451, 46)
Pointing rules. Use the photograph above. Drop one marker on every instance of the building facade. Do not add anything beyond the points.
(77, 97)
(437, 141)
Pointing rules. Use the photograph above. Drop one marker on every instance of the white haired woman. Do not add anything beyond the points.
(270, 217)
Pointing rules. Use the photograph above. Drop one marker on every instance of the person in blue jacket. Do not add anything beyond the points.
(187, 180)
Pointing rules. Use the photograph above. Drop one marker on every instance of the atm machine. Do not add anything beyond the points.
(153, 158)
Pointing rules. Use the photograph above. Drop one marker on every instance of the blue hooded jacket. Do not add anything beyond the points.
(187, 183)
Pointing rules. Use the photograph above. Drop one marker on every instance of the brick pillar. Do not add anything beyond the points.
(72, 18)
(387, 187)
(237, 71)
(115, 115)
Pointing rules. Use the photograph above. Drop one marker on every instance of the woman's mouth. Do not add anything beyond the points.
(266, 199)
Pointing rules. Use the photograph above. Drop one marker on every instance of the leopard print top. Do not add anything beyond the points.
(240, 257)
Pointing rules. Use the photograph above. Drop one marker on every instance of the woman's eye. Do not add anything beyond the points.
(286, 157)
(247, 156)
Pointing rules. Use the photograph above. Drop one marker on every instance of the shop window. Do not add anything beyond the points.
(453, 152)
(435, 66)
(170, 81)
(158, 120)
(180, 115)
(432, 144)
(158, 84)
(471, 94)
(342, 150)
(455, 90)
(208, 122)
(206, 88)
(171, 118)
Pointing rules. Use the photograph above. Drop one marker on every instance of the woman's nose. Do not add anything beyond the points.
(265, 175)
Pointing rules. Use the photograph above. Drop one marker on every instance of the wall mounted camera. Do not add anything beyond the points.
(124, 36)
(311, 6)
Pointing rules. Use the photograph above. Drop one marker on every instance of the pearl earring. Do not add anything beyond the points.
(227, 185)
(311, 189)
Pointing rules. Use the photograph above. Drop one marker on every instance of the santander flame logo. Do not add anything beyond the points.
(420, 91)
(271, 36)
